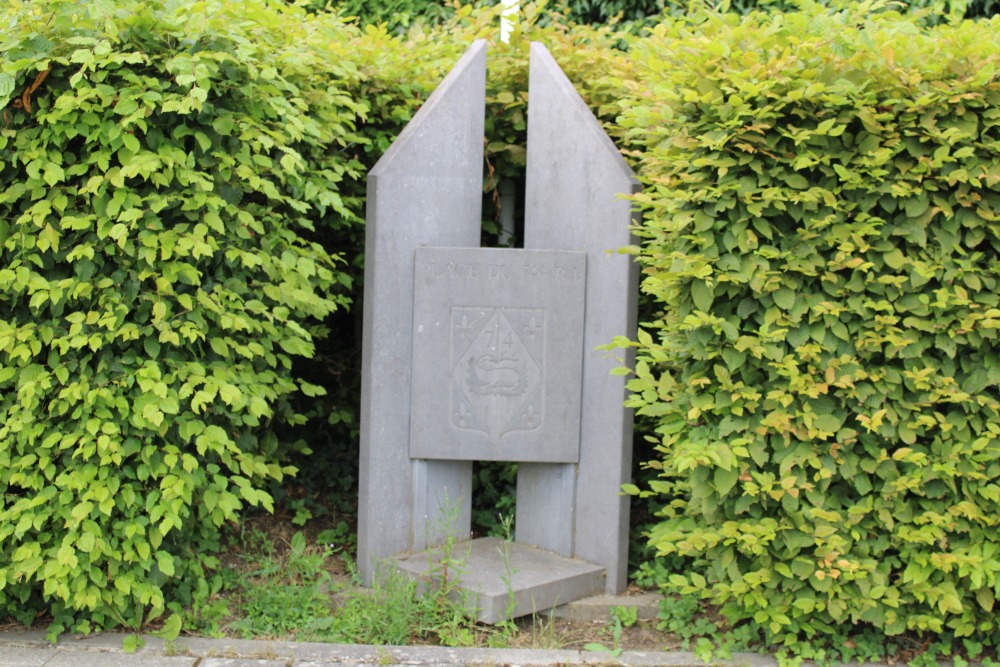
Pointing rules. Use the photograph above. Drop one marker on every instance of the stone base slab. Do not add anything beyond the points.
(498, 579)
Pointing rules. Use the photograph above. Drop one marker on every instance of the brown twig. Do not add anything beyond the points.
(25, 100)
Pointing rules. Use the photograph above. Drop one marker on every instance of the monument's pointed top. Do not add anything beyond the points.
(547, 80)
(463, 88)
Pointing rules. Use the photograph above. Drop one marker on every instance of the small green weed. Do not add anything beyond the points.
(284, 595)
(269, 589)
(302, 511)
(683, 617)
(506, 630)
(341, 537)
(620, 617)
(394, 612)
(627, 616)
(388, 614)
(445, 603)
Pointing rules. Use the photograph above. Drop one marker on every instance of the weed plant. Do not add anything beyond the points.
(391, 613)
(305, 589)
(402, 610)
(281, 594)
(621, 617)
(268, 592)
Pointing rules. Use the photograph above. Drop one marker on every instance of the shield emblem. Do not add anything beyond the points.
(497, 369)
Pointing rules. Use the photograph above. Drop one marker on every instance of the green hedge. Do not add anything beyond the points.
(181, 226)
(164, 169)
(400, 15)
(821, 232)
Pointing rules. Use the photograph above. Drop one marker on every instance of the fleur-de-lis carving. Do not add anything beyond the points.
(461, 415)
(531, 417)
(464, 327)
(533, 328)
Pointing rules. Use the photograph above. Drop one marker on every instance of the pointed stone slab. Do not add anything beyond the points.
(498, 580)
(426, 190)
(575, 181)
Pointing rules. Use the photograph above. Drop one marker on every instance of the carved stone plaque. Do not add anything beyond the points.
(497, 354)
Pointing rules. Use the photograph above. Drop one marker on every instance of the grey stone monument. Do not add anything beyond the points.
(475, 354)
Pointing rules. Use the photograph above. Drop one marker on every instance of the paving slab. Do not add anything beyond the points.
(29, 649)
(64, 658)
(243, 662)
(24, 639)
(417, 655)
(15, 656)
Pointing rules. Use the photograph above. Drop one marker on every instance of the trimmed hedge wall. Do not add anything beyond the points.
(821, 233)
(181, 225)
(163, 172)
(399, 15)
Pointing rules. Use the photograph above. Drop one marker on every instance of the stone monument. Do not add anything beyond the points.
(474, 354)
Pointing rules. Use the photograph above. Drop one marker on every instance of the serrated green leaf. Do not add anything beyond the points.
(6, 86)
(725, 480)
(132, 643)
(126, 105)
(985, 598)
(702, 295)
(784, 298)
(797, 181)
(165, 562)
(747, 308)
(229, 393)
(86, 542)
(828, 422)
(894, 259)
(171, 629)
(131, 143)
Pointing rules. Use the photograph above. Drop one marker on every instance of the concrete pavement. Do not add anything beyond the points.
(30, 649)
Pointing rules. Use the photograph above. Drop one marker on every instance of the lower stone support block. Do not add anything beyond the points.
(499, 579)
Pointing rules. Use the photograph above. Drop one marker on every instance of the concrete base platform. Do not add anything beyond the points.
(498, 579)
(600, 607)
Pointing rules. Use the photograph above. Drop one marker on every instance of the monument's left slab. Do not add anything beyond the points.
(426, 190)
